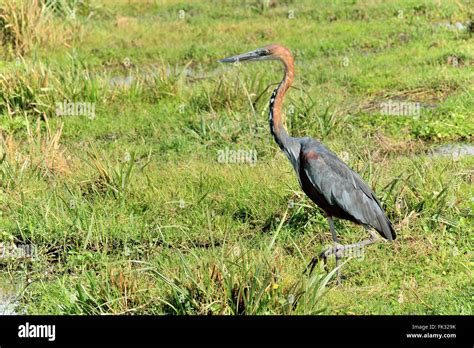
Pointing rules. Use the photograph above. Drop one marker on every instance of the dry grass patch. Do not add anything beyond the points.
(26, 24)
(42, 150)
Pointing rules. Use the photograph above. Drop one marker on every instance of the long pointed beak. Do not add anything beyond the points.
(241, 57)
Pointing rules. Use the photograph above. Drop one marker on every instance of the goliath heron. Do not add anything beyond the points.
(326, 180)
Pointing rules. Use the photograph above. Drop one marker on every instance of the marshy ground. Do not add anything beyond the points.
(132, 208)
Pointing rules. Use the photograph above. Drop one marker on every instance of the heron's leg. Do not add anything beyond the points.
(343, 250)
(323, 255)
(336, 247)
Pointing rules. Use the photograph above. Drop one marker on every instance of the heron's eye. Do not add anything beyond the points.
(263, 53)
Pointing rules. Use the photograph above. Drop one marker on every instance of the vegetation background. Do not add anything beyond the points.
(128, 208)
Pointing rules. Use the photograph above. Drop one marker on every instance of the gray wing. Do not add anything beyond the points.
(343, 187)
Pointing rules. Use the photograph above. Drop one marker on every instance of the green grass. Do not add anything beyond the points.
(131, 212)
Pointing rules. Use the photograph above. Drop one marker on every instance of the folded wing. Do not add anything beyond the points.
(344, 188)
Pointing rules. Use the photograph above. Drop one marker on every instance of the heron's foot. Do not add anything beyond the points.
(340, 251)
(314, 261)
(335, 250)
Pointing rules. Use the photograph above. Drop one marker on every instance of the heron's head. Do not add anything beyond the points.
(271, 52)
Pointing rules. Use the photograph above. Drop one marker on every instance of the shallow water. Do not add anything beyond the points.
(8, 293)
(7, 309)
(122, 81)
(453, 150)
(126, 81)
(454, 26)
